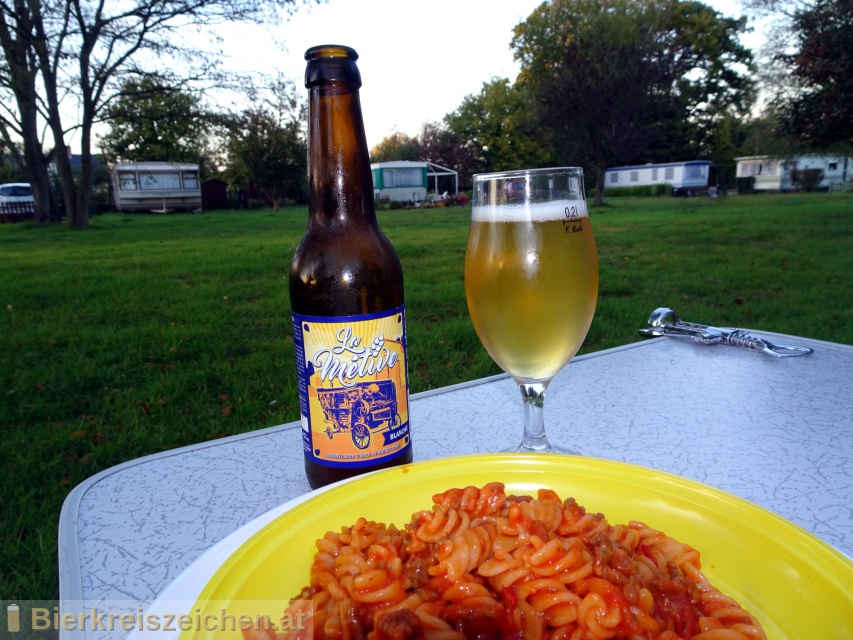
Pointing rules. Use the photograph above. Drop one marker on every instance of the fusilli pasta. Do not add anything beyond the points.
(484, 565)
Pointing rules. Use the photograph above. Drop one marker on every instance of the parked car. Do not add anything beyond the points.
(16, 202)
(15, 192)
(514, 191)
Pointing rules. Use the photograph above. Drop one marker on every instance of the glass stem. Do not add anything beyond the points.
(533, 394)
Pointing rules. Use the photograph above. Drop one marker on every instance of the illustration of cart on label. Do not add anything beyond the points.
(367, 407)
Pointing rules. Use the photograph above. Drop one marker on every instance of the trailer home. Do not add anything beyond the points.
(401, 180)
(408, 181)
(158, 187)
(773, 174)
(685, 178)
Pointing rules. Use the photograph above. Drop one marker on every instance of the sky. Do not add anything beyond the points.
(418, 60)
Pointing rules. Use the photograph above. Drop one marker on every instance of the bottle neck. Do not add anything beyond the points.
(340, 183)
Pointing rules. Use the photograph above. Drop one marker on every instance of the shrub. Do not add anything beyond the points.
(457, 200)
(644, 191)
(807, 179)
(746, 185)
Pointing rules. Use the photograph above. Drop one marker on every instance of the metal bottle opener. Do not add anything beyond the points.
(665, 322)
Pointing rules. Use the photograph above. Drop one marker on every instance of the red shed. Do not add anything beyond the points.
(214, 194)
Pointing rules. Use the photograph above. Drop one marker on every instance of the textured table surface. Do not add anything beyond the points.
(777, 432)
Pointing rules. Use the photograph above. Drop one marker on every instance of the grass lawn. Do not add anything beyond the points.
(152, 332)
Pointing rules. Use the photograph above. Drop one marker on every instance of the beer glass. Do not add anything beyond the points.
(531, 280)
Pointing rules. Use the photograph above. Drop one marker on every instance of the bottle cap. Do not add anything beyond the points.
(330, 63)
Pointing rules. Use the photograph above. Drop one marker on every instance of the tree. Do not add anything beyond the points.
(807, 179)
(20, 118)
(397, 146)
(617, 81)
(10, 169)
(727, 142)
(500, 124)
(760, 136)
(267, 146)
(84, 48)
(440, 145)
(821, 113)
(151, 119)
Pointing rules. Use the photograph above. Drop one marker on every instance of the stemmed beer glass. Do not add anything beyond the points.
(531, 280)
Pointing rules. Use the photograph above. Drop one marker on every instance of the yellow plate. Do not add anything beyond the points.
(795, 584)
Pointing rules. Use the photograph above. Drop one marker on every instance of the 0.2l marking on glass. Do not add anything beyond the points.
(572, 222)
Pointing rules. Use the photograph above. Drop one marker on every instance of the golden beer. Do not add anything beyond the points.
(531, 280)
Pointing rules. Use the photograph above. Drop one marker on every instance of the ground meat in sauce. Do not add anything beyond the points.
(415, 569)
(483, 623)
(400, 624)
(677, 603)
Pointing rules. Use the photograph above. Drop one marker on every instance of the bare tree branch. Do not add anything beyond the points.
(84, 49)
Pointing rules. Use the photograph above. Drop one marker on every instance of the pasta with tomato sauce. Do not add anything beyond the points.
(485, 565)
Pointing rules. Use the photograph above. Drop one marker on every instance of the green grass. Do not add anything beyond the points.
(152, 332)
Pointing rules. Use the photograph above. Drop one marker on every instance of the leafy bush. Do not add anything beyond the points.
(746, 185)
(807, 179)
(457, 200)
(644, 191)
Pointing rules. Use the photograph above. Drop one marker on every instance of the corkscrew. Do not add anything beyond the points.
(665, 322)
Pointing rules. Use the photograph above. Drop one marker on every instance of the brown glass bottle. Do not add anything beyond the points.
(346, 292)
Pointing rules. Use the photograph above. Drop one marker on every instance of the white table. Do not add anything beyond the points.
(777, 432)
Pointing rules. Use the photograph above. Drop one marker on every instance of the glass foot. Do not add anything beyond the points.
(548, 448)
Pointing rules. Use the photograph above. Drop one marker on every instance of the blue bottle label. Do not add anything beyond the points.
(353, 382)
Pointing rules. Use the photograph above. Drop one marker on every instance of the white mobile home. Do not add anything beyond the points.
(156, 186)
(407, 180)
(686, 178)
(771, 173)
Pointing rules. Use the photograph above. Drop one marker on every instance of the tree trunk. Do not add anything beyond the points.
(76, 218)
(46, 208)
(66, 177)
(84, 191)
(84, 188)
(35, 163)
(599, 185)
(22, 73)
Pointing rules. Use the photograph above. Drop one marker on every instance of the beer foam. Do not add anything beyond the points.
(536, 212)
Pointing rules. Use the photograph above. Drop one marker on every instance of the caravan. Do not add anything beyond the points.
(409, 181)
(158, 187)
(686, 178)
(775, 174)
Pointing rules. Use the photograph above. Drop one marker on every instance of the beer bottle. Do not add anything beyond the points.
(346, 293)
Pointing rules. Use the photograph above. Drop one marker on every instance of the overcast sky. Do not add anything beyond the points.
(418, 60)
